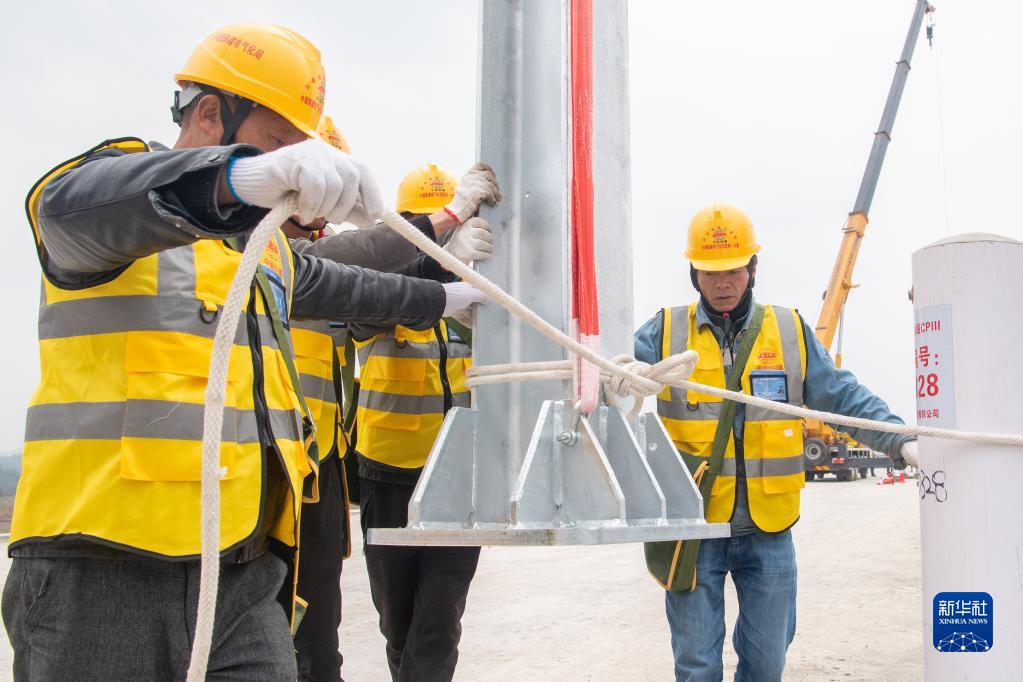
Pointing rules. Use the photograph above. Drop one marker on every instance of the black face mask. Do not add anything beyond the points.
(734, 317)
(733, 320)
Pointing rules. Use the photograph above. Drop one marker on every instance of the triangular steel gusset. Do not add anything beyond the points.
(582, 481)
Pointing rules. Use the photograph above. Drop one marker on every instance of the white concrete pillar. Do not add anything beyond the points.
(968, 329)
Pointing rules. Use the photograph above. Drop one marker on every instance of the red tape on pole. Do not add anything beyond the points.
(585, 311)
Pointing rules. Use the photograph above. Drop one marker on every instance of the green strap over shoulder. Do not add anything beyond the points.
(464, 333)
(282, 336)
(673, 564)
(726, 420)
(345, 389)
(288, 353)
(351, 388)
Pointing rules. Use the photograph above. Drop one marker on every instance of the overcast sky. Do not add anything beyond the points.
(767, 105)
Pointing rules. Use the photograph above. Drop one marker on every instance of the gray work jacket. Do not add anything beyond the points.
(114, 208)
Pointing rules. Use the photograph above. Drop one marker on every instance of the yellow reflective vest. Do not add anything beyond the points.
(113, 441)
(318, 346)
(772, 442)
(408, 380)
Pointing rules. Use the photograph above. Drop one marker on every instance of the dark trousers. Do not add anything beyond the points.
(419, 592)
(134, 619)
(324, 542)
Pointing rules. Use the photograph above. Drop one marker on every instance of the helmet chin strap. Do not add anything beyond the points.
(232, 119)
(229, 119)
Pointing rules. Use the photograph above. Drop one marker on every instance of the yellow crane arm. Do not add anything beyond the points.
(841, 279)
(841, 275)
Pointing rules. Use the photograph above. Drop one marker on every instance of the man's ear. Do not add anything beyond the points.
(206, 117)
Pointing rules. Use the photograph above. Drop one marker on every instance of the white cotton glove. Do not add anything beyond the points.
(463, 317)
(477, 186)
(910, 452)
(329, 183)
(472, 241)
(460, 296)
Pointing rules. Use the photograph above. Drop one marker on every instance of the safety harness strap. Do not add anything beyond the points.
(673, 564)
(288, 353)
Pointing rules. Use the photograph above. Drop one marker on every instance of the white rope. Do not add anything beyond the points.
(626, 376)
(507, 301)
(213, 420)
(622, 376)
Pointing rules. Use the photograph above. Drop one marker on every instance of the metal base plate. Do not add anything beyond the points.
(544, 537)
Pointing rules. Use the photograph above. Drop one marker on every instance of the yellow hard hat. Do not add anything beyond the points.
(271, 65)
(721, 237)
(427, 189)
(331, 135)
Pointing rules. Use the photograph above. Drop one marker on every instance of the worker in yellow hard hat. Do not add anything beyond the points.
(409, 380)
(329, 133)
(748, 463)
(324, 354)
(137, 250)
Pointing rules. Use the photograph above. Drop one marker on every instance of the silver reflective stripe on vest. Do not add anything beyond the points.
(340, 336)
(677, 408)
(389, 347)
(317, 326)
(760, 468)
(119, 314)
(174, 309)
(409, 404)
(317, 388)
(457, 349)
(148, 419)
(175, 272)
(791, 354)
(760, 414)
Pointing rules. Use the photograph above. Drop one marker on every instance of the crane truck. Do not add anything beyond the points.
(827, 450)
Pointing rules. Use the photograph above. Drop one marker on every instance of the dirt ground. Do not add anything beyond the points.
(6, 508)
(592, 613)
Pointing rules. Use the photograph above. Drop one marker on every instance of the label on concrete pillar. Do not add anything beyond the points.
(935, 380)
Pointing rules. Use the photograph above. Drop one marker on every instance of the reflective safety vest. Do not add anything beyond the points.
(772, 442)
(318, 346)
(409, 379)
(113, 442)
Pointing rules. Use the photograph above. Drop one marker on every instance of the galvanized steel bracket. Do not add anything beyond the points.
(612, 485)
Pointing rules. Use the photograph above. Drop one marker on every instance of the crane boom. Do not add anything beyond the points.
(841, 275)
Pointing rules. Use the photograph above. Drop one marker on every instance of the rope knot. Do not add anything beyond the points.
(647, 379)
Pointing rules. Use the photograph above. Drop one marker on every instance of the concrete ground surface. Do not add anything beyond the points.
(593, 613)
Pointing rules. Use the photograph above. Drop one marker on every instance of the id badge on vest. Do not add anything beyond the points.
(274, 270)
(769, 384)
